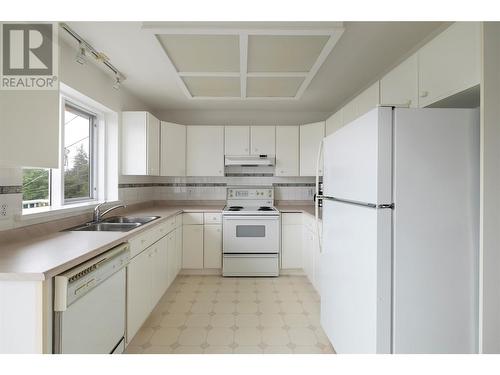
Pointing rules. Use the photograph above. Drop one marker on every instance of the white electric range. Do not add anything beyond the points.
(251, 232)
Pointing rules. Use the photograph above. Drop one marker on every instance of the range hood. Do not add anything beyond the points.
(249, 160)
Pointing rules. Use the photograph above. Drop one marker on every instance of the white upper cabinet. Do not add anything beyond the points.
(140, 144)
(236, 140)
(29, 128)
(400, 85)
(334, 123)
(173, 149)
(311, 136)
(205, 151)
(287, 151)
(262, 140)
(450, 63)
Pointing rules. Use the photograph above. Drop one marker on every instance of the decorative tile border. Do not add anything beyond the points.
(11, 189)
(204, 184)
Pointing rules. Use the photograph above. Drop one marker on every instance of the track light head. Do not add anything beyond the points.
(81, 57)
(117, 83)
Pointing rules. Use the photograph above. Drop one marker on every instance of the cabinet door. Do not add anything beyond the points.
(263, 140)
(172, 257)
(311, 136)
(287, 151)
(308, 254)
(236, 140)
(205, 151)
(173, 149)
(334, 123)
(316, 269)
(160, 269)
(291, 246)
(139, 292)
(134, 143)
(450, 63)
(400, 85)
(212, 246)
(178, 249)
(192, 246)
(153, 145)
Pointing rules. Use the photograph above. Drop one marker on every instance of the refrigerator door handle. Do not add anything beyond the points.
(316, 201)
(357, 203)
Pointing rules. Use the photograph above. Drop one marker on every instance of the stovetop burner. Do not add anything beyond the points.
(235, 208)
(265, 208)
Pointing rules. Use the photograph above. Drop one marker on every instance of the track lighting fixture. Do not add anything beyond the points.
(85, 49)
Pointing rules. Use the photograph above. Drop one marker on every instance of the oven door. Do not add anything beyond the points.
(251, 234)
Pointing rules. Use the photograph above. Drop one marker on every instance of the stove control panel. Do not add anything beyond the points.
(259, 193)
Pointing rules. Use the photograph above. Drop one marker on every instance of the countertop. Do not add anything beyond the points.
(43, 257)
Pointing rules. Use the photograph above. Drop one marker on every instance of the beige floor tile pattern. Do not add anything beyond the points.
(216, 315)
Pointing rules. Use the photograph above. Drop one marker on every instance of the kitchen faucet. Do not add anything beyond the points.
(97, 211)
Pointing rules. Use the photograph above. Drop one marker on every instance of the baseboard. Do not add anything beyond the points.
(207, 271)
(292, 272)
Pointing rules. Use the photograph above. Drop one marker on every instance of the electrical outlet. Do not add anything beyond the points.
(3, 210)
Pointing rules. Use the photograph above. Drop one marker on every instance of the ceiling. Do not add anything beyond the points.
(245, 63)
(279, 66)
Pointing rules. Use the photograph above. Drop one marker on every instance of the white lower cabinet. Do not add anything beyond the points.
(172, 256)
(178, 250)
(150, 273)
(159, 259)
(291, 241)
(308, 253)
(212, 246)
(192, 246)
(311, 256)
(139, 291)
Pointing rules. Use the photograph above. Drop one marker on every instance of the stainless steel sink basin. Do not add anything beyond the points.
(105, 227)
(130, 219)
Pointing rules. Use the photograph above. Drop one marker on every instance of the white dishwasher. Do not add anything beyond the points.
(89, 305)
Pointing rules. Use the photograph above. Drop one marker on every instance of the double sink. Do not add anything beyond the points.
(115, 224)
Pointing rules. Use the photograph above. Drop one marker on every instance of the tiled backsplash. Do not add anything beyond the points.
(135, 189)
(10, 196)
(213, 188)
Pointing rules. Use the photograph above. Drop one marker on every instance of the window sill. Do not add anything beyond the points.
(59, 211)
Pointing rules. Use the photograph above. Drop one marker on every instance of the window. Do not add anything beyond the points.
(78, 154)
(36, 187)
(75, 180)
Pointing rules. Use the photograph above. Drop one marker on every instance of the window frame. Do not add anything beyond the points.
(93, 148)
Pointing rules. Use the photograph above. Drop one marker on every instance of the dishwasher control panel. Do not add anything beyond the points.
(73, 284)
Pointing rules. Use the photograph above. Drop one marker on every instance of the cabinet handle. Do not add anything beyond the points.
(423, 94)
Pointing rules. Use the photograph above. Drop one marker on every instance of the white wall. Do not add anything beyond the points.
(90, 81)
(489, 310)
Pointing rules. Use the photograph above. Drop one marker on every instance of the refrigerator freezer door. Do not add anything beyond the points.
(436, 193)
(356, 278)
(358, 159)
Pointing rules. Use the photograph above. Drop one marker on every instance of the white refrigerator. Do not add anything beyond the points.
(400, 246)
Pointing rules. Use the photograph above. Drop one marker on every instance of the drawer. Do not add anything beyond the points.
(212, 218)
(190, 218)
(250, 265)
(178, 220)
(141, 242)
(161, 230)
(291, 218)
